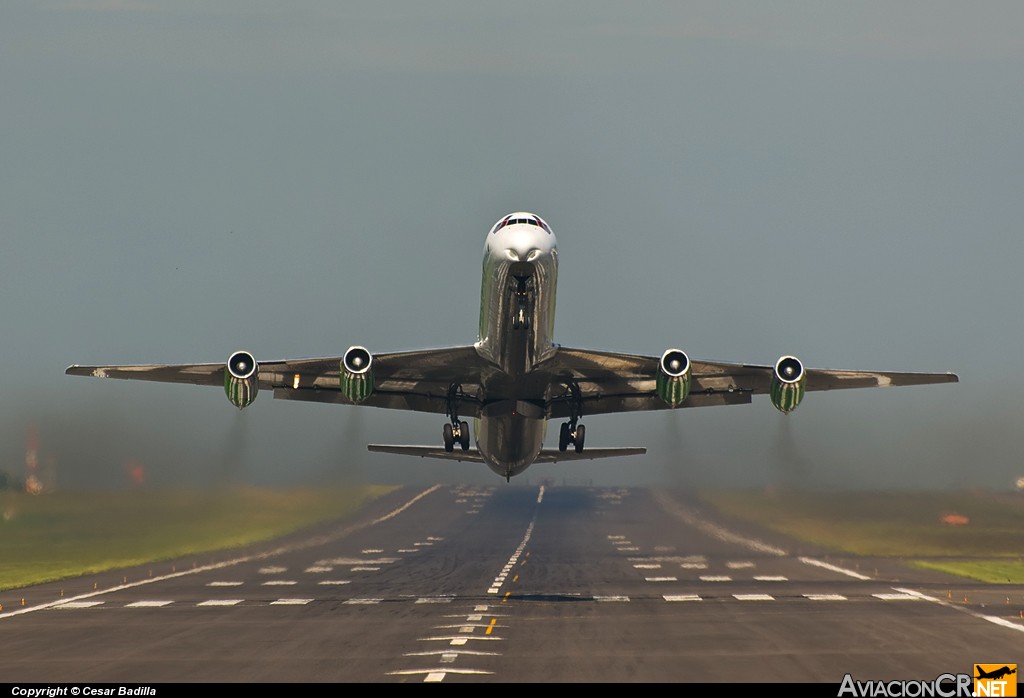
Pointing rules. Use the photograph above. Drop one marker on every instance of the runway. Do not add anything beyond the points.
(513, 584)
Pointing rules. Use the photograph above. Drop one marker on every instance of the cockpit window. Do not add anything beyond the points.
(511, 219)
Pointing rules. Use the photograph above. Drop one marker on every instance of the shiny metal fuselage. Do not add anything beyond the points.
(517, 315)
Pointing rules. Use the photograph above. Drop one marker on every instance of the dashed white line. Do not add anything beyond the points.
(330, 582)
(715, 578)
(833, 568)
(220, 602)
(604, 599)
(660, 579)
(753, 597)
(225, 584)
(279, 583)
(363, 601)
(681, 597)
(897, 597)
(291, 602)
(770, 578)
(148, 604)
(825, 597)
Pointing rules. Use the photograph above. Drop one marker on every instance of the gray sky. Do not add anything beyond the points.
(843, 182)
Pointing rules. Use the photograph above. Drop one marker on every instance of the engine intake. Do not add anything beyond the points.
(357, 374)
(788, 384)
(673, 383)
(241, 379)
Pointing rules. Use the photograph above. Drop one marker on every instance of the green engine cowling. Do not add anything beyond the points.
(357, 374)
(241, 379)
(673, 382)
(789, 381)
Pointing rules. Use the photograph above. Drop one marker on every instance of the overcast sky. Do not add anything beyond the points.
(843, 182)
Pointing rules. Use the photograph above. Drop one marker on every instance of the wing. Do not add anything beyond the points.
(548, 455)
(415, 380)
(614, 382)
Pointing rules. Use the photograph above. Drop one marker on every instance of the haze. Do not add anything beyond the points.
(841, 182)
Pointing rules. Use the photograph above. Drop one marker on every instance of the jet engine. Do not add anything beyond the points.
(357, 374)
(673, 384)
(788, 383)
(241, 379)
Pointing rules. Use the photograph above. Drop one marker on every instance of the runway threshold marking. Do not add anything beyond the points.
(149, 604)
(227, 563)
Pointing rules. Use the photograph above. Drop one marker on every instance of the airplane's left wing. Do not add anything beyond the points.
(609, 382)
(417, 380)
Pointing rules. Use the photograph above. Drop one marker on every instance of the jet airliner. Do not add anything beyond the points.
(515, 377)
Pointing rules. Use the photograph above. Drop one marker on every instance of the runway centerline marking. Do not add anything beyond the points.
(148, 604)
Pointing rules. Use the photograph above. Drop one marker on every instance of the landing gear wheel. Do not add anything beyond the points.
(464, 435)
(581, 434)
(449, 437)
(563, 437)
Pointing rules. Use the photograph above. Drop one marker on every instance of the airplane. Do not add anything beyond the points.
(515, 377)
(995, 674)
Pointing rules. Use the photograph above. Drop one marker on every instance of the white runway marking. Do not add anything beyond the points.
(318, 568)
(691, 518)
(660, 579)
(273, 570)
(715, 578)
(279, 583)
(681, 597)
(753, 597)
(328, 582)
(603, 599)
(834, 568)
(770, 578)
(434, 599)
(363, 601)
(694, 566)
(224, 584)
(825, 597)
(991, 619)
(78, 604)
(291, 602)
(739, 565)
(897, 597)
(220, 602)
(149, 604)
(653, 566)
(365, 569)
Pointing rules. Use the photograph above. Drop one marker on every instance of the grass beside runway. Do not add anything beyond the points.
(974, 534)
(64, 534)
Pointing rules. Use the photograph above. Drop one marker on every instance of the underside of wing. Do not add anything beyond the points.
(610, 382)
(473, 456)
(424, 381)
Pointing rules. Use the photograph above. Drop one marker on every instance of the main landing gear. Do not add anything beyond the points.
(454, 431)
(572, 432)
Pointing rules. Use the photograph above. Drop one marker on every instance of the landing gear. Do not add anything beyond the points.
(572, 432)
(455, 431)
(522, 296)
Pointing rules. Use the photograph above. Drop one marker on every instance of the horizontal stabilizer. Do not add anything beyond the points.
(546, 456)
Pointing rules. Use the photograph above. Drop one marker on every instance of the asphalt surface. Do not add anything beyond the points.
(507, 584)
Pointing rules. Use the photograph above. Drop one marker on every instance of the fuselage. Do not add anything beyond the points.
(517, 316)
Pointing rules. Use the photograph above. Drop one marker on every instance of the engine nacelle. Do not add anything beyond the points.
(673, 383)
(241, 379)
(788, 383)
(357, 374)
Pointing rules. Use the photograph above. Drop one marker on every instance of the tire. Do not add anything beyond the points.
(449, 437)
(581, 434)
(464, 436)
(563, 437)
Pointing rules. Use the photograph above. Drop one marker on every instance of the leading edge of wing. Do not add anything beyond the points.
(546, 456)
